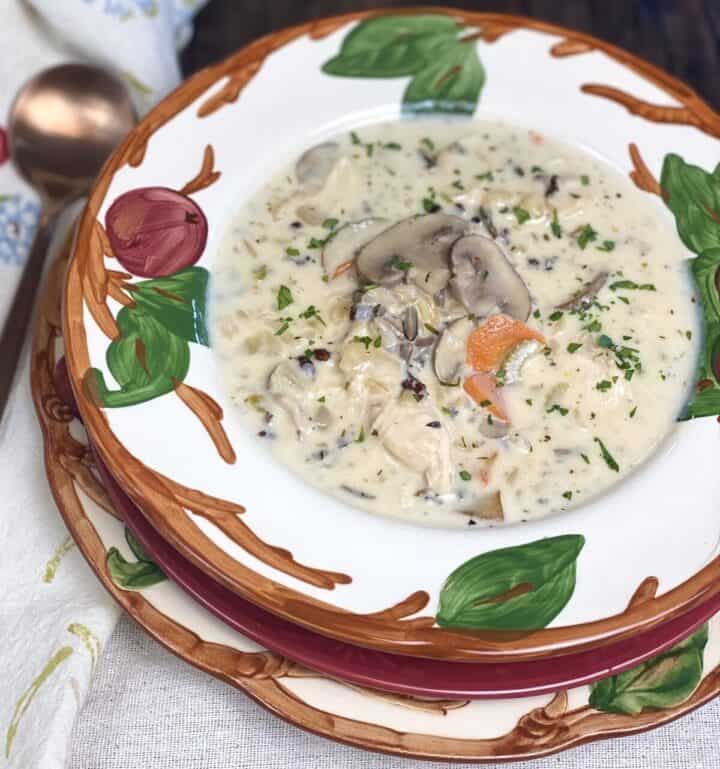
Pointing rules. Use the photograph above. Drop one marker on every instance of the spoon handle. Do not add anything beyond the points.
(21, 310)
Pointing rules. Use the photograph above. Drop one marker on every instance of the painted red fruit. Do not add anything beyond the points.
(4, 152)
(155, 231)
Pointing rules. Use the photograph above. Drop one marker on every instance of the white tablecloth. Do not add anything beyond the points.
(149, 710)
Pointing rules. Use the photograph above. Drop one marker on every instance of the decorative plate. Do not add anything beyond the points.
(650, 695)
(151, 397)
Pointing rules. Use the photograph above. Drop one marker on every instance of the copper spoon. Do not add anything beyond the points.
(62, 127)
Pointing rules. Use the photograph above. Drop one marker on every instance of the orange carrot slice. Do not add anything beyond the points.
(482, 389)
(490, 343)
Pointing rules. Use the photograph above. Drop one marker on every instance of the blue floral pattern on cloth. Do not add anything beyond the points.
(125, 8)
(18, 221)
(183, 10)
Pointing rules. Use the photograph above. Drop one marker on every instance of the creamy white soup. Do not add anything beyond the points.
(452, 323)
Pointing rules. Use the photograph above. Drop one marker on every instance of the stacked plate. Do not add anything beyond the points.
(434, 343)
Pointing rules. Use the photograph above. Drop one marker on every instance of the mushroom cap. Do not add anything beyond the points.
(421, 243)
(451, 352)
(484, 281)
(314, 165)
(342, 249)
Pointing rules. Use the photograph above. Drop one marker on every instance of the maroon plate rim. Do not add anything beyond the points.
(402, 674)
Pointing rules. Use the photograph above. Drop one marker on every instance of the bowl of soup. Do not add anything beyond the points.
(404, 326)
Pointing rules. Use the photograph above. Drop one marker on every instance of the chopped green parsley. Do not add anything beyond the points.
(284, 297)
(607, 456)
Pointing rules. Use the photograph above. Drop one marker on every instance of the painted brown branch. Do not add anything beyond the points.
(95, 281)
(277, 557)
(208, 411)
(641, 175)
(569, 47)
(414, 603)
(199, 502)
(99, 310)
(116, 289)
(84, 477)
(206, 176)
(230, 92)
(645, 592)
(441, 707)
(489, 32)
(688, 114)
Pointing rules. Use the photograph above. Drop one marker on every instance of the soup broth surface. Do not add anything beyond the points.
(454, 323)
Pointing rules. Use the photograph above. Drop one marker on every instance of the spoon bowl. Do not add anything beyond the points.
(62, 127)
(64, 124)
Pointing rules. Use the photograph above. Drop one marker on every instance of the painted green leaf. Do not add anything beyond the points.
(693, 195)
(390, 46)
(662, 682)
(133, 576)
(514, 588)
(705, 401)
(178, 302)
(144, 360)
(451, 82)
(137, 549)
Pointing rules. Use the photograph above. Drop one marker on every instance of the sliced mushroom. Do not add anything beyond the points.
(410, 322)
(314, 165)
(485, 281)
(488, 508)
(340, 252)
(584, 298)
(451, 352)
(422, 243)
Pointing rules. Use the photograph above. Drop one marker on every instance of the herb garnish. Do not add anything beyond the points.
(587, 235)
(312, 312)
(290, 251)
(555, 315)
(626, 358)
(285, 324)
(366, 340)
(330, 223)
(567, 495)
(430, 205)
(574, 347)
(284, 297)
(555, 225)
(465, 475)
(521, 214)
(320, 242)
(631, 285)
(604, 385)
(398, 264)
(607, 246)
(560, 410)
(361, 435)
(607, 456)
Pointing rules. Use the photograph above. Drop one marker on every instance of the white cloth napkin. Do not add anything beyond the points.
(54, 616)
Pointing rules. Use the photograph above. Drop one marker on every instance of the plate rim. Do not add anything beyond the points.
(388, 632)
